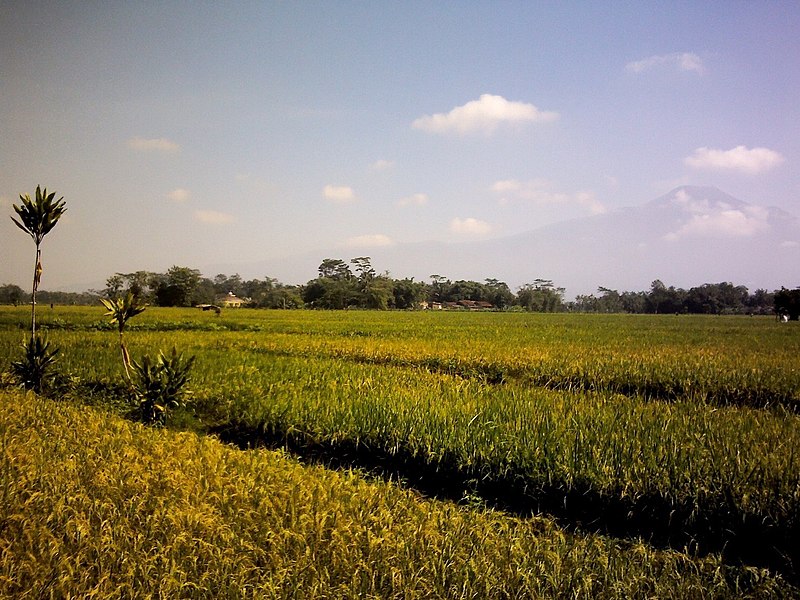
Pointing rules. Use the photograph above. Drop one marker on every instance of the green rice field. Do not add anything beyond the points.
(408, 455)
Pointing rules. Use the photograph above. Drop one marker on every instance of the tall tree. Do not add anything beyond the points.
(541, 296)
(363, 266)
(407, 293)
(178, 286)
(464, 290)
(498, 293)
(114, 286)
(11, 294)
(787, 302)
(223, 285)
(761, 302)
(37, 218)
(634, 302)
(334, 268)
(139, 283)
(438, 285)
(609, 301)
(663, 299)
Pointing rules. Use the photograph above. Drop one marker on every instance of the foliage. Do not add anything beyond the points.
(329, 293)
(34, 370)
(498, 293)
(334, 268)
(787, 302)
(339, 286)
(541, 296)
(407, 293)
(177, 287)
(37, 217)
(140, 283)
(121, 310)
(66, 298)
(159, 384)
(12, 294)
(709, 298)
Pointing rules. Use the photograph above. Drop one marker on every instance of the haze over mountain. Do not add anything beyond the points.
(690, 236)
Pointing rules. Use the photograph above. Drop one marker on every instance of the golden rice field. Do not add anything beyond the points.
(477, 455)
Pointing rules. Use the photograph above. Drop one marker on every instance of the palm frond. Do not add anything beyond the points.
(38, 216)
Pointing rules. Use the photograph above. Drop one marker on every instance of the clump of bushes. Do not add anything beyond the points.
(159, 385)
(34, 369)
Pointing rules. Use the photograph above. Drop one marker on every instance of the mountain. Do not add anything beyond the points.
(690, 236)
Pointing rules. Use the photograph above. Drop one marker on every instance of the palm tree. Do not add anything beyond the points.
(120, 310)
(37, 218)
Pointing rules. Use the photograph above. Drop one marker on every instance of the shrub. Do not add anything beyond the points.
(35, 368)
(159, 384)
(120, 310)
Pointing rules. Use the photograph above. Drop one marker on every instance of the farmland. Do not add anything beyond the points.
(589, 455)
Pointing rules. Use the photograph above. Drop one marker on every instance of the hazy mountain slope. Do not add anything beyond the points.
(689, 236)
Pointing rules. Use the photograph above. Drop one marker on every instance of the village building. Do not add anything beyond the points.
(231, 301)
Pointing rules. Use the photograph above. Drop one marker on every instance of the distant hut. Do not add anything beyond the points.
(231, 301)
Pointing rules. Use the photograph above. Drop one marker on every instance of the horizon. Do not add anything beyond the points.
(211, 135)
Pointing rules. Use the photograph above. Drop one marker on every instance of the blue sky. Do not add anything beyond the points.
(200, 133)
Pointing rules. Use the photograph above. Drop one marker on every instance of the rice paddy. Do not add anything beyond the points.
(477, 455)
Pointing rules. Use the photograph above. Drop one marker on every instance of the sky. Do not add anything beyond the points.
(209, 133)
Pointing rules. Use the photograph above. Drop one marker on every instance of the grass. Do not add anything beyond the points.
(679, 431)
(683, 473)
(94, 506)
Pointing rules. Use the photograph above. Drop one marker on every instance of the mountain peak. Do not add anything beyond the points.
(692, 197)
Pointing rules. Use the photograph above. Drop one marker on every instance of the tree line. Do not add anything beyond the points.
(356, 284)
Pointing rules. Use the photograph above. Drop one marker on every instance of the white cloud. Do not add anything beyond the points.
(683, 61)
(718, 219)
(483, 115)
(339, 194)
(507, 185)
(179, 195)
(418, 199)
(213, 217)
(682, 198)
(538, 192)
(153, 144)
(373, 240)
(789, 244)
(470, 226)
(590, 203)
(382, 165)
(750, 161)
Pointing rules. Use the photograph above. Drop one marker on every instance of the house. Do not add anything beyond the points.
(430, 305)
(231, 301)
(458, 305)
